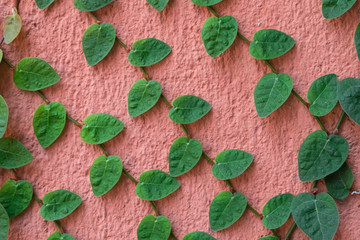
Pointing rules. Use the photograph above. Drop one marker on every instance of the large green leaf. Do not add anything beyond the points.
(206, 2)
(339, 183)
(277, 210)
(59, 236)
(336, 8)
(105, 172)
(270, 43)
(188, 109)
(15, 196)
(13, 154)
(4, 116)
(156, 184)
(59, 204)
(184, 155)
(268, 238)
(356, 39)
(271, 92)
(43, 3)
(349, 97)
(12, 26)
(226, 209)
(154, 228)
(143, 96)
(198, 236)
(34, 74)
(100, 127)
(148, 51)
(159, 5)
(317, 217)
(91, 5)
(218, 34)
(4, 223)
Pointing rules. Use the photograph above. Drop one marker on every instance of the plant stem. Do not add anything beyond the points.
(185, 131)
(121, 43)
(341, 118)
(145, 74)
(207, 158)
(271, 66)
(253, 210)
(166, 101)
(288, 234)
(243, 37)
(38, 199)
(8, 63)
(60, 228)
(274, 232)
(15, 173)
(94, 17)
(154, 207)
(74, 121)
(213, 11)
(314, 184)
(299, 97)
(173, 236)
(130, 177)
(103, 150)
(42, 96)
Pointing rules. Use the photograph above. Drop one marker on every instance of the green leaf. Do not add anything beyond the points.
(271, 92)
(12, 26)
(48, 122)
(231, 163)
(4, 116)
(143, 96)
(277, 210)
(184, 155)
(339, 183)
(105, 172)
(159, 5)
(154, 228)
(1, 55)
(218, 34)
(155, 184)
(148, 51)
(100, 127)
(43, 3)
(322, 95)
(349, 97)
(13, 154)
(188, 109)
(198, 236)
(91, 5)
(15, 196)
(59, 236)
(317, 217)
(336, 8)
(268, 238)
(226, 209)
(205, 2)
(356, 39)
(321, 155)
(97, 42)
(270, 43)
(59, 204)
(4, 223)
(33, 74)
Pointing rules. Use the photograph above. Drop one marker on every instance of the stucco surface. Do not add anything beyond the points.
(227, 82)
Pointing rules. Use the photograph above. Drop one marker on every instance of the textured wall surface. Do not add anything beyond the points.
(227, 82)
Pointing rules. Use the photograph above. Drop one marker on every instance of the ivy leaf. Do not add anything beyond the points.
(12, 26)
(42, 4)
(15, 196)
(322, 95)
(226, 209)
(268, 238)
(143, 96)
(271, 92)
(59, 236)
(356, 39)
(148, 51)
(59, 204)
(277, 210)
(4, 223)
(97, 42)
(159, 5)
(13, 154)
(198, 236)
(154, 228)
(188, 109)
(218, 34)
(105, 172)
(155, 184)
(317, 217)
(349, 97)
(335, 8)
(33, 74)
(205, 2)
(184, 155)
(100, 127)
(339, 183)
(270, 43)
(4, 116)
(91, 5)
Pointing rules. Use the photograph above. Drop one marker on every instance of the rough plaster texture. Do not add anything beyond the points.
(227, 82)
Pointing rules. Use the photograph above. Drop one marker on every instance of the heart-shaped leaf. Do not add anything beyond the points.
(198, 236)
(155, 184)
(33, 74)
(336, 8)
(271, 92)
(159, 5)
(154, 228)
(59, 204)
(356, 39)
(12, 26)
(4, 116)
(218, 34)
(4, 223)
(15, 196)
(322, 95)
(97, 42)
(42, 4)
(226, 209)
(317, 217)
(91, 5)
(339, 183)
(143, 96)
(100, 127)
(277, 210)
(148, 51)
(184, 155)
(13, 154)
(270, 43)
(205, 2)
(321, 155)
(349, 97)
(268, 238)
(188, 109)
(105, 172)
(59, 236)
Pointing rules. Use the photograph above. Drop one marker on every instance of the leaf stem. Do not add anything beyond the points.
(42, 96)
(207, 158)
(130, 177)
(270, 66)
(314, 184)
(154, 208)
(121, 43)
(15, 173)
(103, 150)
(60, 228)
(74, 121)
(274, 232)
(145, 74)
(213, 11)
(341, 118)
(94, 17)
(38, 199)
(243, 37)
(185, 131)
(8, 63)
(166, 101)
(288, 234)
(253, 210)
(173, 236)
(299, 97)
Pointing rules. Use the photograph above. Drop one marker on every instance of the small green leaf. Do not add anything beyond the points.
(4, 116)
(159, 5)
(13, 154)
(339, 183)
(59, 204)
(91, 5)
(271, 92)
(100, 127)
(59, 236)
(270, 43)
(105, 172)
(143, 96)
(317, 217)
(356, 39)
(97, 42)
(184, 155)
(205, 2)
(335, 8)
(277, 210)
(155, 184)
(154, 228)
(148, 51)
(33, 74)
(188, 109)
(322, 95)
(1, 55)
(4, 223)
(15, 196)
(198, 236)
(349, 97)
(226, 209)
(268, 238)
(218, 34)
(42, 4)
(12, 26)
